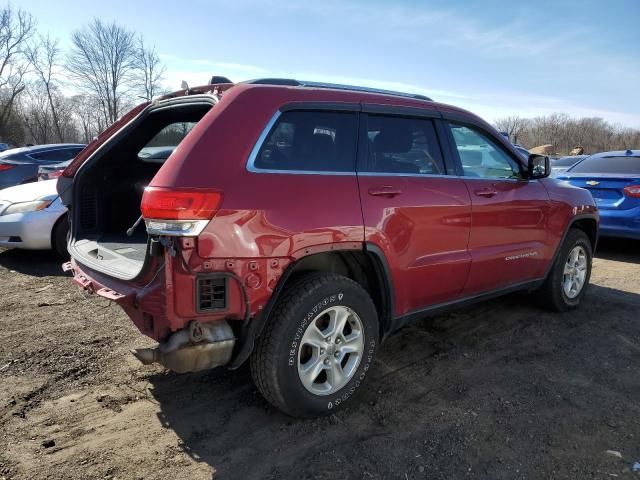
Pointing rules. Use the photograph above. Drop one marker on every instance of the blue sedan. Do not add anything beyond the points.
(20, 165)
(613, 178)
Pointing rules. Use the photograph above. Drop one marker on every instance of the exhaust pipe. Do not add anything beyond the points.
(192, 349)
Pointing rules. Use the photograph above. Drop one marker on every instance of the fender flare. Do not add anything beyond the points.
(574, 219)
(256, 325)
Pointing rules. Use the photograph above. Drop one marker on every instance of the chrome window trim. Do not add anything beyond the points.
(416, 175)
(258, 145)
(500, 179)
(274, 118)
(302, 172)
(430, 175)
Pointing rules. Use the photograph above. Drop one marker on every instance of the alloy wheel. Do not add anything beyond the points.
(330, 350)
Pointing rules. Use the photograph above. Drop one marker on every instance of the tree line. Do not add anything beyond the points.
(593, 134)
(107, 67)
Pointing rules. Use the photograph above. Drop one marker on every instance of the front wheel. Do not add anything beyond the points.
(317, 347)
(569, 277)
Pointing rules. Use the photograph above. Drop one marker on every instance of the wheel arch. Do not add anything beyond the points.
(367, 266)
(588, 225)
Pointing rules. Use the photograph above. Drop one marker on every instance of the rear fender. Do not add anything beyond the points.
(253, 329)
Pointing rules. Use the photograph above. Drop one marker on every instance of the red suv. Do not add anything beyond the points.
(300, 224)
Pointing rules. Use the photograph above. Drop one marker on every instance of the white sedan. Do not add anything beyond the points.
(32, 217)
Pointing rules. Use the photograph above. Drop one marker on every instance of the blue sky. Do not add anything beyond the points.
(495, 58)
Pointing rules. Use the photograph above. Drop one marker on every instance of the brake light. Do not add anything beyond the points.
(182, 212)
(5, 166)
(632, 191)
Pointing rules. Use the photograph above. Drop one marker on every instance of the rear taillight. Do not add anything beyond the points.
(5, 166)
(182, 212)
(632, 191)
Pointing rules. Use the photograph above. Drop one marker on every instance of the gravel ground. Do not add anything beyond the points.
(500, 390)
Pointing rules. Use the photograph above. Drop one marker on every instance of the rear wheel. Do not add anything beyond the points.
(59, 236)
(569, 277)
(317, 346)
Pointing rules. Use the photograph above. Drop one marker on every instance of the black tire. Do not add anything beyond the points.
(59, 236)
(274, 362)
(552, 295)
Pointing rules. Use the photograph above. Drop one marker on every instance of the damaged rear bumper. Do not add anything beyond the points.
(185, 345)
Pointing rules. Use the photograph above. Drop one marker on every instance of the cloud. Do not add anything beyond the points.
(426, 24)
(489, 105)
(238, 67)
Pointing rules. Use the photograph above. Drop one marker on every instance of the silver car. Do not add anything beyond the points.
(32, 217)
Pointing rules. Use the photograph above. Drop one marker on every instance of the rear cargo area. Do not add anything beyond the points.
(108, 188)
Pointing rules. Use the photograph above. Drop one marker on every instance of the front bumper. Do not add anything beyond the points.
(29, 230)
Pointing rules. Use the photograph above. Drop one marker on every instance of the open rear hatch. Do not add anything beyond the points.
(107, 232)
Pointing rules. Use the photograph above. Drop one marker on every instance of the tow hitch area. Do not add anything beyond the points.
(197, 347)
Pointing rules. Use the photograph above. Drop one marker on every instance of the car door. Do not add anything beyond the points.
(415, 212)
(509, 213)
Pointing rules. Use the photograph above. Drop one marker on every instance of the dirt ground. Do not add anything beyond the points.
(500, 390)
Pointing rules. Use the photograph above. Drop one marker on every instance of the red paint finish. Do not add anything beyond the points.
(443, 238)
(423, 232)
(508, 233)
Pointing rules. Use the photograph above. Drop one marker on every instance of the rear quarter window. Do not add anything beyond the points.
(310, 141)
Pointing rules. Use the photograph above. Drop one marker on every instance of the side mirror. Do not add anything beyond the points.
(538, 166)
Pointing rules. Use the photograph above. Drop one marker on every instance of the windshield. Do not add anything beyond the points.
(621, 165)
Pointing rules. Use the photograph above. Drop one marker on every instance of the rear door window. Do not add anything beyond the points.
(401, 145)
(310, 141)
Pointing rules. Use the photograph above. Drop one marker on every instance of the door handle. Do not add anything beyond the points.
(486, 192)
(385, 191)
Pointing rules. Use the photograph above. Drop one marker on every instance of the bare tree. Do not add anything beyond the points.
(33, 109)
(102, 61)
(513, 125)
(44, 56)
(87, 116)
(16, 28)
(150, 71)
(564, 133)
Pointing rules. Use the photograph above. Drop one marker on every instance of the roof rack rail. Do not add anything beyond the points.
(334, 86)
